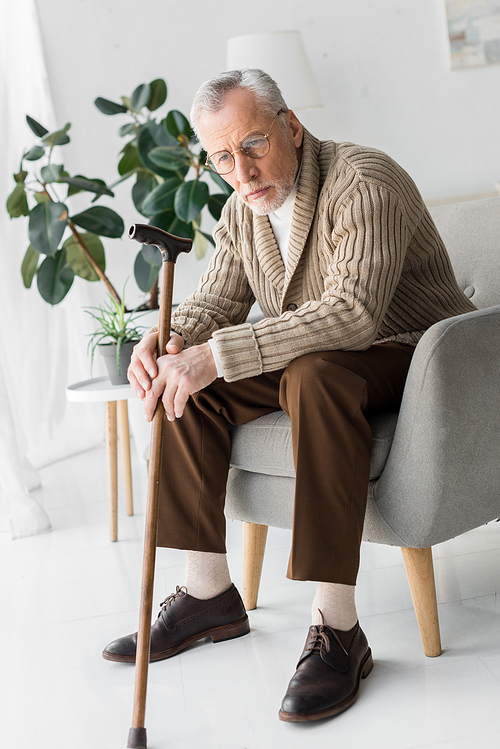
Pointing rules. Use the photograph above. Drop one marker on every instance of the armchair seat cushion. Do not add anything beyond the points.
(263, 448)
(265, 444)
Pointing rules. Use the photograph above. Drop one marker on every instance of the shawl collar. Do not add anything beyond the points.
(266, 247)
(305, 205)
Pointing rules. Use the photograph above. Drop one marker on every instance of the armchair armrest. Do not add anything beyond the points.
(442, 476)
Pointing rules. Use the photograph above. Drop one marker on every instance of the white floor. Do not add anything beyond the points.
(65, 594)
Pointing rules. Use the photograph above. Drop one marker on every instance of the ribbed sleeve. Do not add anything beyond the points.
(365, 264)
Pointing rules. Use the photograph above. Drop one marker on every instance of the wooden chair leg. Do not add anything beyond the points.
(254, 546)
(420, 574)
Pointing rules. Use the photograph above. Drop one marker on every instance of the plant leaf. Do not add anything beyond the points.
(29, 266)
(145, 274)
(225, 187)
(163, 220)
(180, 229)
(89, 185)
(126, 129)
(35, 127)
(158, 94)
(20, 176)
(57, 138)
(190, 198)
(177, 124)
(41, 197)
(17, 202)
(151, 255)
(169, 158)
(54, 278)
(76, 259)
(34, 153)
(169, 222)
(130, 159)
(109, 107)
(140, 191)
(199, 244)
(216, 203)
(209, 238)
(162, 197)
(51, 172)
(150, 137)
(46, 226)
(100, 220)
(140, 96)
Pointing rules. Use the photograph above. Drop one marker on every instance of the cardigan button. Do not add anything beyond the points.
(291, 308)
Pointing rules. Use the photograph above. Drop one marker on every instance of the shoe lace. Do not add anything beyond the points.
(321, 641)
(180, 592)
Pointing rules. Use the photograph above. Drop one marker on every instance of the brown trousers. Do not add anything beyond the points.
(327, 396)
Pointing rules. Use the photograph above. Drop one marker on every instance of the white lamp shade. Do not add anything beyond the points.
(282, 55)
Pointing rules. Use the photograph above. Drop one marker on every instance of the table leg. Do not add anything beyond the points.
(124, 432)
(112, 453)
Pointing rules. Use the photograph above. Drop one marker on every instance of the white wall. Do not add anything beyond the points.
(382, 67)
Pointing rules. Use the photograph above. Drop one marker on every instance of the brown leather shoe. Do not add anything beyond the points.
(184, 620)
(328, 674)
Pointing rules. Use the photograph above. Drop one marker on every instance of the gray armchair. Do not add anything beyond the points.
(435, 469)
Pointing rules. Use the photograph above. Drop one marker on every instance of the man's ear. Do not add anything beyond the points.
(295, 128)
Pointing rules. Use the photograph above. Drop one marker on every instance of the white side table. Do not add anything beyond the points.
(115, 397)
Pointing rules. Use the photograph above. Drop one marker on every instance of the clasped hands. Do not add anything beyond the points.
(172, 377)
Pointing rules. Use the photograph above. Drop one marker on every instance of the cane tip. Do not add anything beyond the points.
(137, 739)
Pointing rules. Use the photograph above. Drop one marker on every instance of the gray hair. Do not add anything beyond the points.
(211, 94)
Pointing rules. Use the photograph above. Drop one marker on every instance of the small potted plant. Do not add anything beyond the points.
(115, 337)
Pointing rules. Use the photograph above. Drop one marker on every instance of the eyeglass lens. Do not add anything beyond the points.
(255, 147)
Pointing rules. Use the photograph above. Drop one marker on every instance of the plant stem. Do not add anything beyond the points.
(94, 264)
(45, 191)
(44, 185)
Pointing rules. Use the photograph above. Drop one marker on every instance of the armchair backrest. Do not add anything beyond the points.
(471, 233)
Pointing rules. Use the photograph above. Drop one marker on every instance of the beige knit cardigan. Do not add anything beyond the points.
(365, 264)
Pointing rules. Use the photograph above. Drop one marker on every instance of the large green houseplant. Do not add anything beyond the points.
(58, 248)
(170, 188)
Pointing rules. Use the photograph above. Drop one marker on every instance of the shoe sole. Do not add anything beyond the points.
(365, 668)
(217, 634)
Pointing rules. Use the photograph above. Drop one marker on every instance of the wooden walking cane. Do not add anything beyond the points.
(170, 247)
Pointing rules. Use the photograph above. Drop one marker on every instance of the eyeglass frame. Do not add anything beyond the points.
(231, 153)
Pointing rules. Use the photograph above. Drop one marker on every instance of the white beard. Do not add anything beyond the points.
(283, 186)
(262, 207)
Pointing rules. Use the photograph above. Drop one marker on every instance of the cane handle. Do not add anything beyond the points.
(169, 245)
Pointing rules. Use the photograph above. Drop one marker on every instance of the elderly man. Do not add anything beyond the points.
(336, 245)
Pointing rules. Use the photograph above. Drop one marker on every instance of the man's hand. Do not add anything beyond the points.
(143, 369)
(179, 377)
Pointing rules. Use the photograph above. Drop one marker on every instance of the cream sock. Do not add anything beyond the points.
(207, 574)
(336, 603)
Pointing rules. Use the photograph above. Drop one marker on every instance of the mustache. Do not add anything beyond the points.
(254, 187)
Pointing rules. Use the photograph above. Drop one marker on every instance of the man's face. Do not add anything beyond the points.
(263, 184)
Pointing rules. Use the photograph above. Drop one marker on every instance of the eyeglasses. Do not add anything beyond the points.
(255, 147)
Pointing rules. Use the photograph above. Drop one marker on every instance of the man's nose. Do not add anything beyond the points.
(245, 168)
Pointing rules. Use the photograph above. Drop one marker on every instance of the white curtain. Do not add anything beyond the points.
(42, 348)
